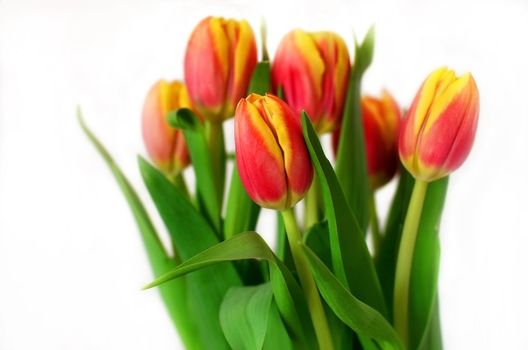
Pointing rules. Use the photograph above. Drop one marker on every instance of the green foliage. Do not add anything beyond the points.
(174, 294)
(194, 133)
(351, 260)
(351, 164)
(287, 293)
(360, 317)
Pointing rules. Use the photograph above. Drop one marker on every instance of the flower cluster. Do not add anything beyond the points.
(323, 287)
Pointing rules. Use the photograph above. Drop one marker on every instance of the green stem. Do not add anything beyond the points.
(311, 206)
(215, 142)
(322, 331)
(404, 262)
(374, 224)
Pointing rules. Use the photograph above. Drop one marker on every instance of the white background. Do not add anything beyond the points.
(71, 261)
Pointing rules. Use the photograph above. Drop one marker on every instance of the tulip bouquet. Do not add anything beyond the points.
(321, 286)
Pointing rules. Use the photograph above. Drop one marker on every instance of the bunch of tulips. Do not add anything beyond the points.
(321, 286)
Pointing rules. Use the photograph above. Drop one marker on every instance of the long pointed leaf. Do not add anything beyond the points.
(351, 165)
(351, 260)
(360, 317)
(174, 293)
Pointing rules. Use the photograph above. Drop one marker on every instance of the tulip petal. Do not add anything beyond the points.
(288, 131)
(206, 66)
(257, 152)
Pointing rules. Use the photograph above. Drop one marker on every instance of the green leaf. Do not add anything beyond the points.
(194, 133)
(360, 317)
(287, 293)
(365, 51)
(191, 234)
(425, 265)
(242, 213)
(433, 339)
(173, 294)
(244, 316)
(260, 80)
(351, 164)
(277, 336)
(351, 260)
(318, 239)
(388, 254)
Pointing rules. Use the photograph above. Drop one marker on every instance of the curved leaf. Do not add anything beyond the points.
(173, 294)
(191, 234)
(360, 317)
(351, 260)
(244, 316)
(287, 293)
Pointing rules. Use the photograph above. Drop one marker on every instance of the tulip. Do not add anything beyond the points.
(381, 122)
(312, 70)
(219, 61)
(271, 154)
(165, 145)
(439, 129)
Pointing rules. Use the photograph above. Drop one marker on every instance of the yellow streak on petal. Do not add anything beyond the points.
(309, 51)
(279, 124)
(164, 90)
(242, 50)
(427, 95)
(341, 68)
(450, 89)
(220, 39)
(261, 126)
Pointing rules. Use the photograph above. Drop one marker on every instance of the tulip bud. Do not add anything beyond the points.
(219, 61)
(165, 145)
(312, 70)
(440, 127)
(381, 122)
(272, 158)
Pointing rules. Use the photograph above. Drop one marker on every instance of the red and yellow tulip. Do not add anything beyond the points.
(165, 145)
(271, 154)
(312, 70)
(439, 129)
(381, 123)
(219, 61)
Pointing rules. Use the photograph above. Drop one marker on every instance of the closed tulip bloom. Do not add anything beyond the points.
(312, 70)
(440, 127)
(165, 145)
(219, 61)
(272, 158)
(381, 123)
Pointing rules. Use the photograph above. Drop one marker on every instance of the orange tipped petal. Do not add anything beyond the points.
(220, 57)
(440, 127)
(165, 145)
(381, 122)
(312, 69)
(272, 158)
